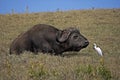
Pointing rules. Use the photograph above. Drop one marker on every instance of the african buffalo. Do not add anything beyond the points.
(48, 39)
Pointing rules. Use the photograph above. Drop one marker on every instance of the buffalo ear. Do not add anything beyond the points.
(62, 36)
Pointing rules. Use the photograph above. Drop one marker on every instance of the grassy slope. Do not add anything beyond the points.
(100, 26)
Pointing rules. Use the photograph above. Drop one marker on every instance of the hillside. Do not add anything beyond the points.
(100, 26)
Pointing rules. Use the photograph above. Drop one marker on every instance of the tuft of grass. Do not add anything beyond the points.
(37, 71)
(104, 72)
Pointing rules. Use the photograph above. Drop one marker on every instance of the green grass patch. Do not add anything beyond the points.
(101, 26)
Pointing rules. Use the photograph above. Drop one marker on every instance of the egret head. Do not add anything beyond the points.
(94, 44)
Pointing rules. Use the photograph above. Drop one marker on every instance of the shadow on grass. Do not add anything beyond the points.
(73, 54)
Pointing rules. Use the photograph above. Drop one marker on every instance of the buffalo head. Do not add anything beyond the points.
(73, 38)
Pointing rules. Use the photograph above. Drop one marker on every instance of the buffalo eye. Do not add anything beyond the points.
(76, 37)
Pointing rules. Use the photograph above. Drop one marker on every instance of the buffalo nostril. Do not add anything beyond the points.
(86, 42)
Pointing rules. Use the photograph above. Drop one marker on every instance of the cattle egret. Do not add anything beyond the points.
(99, 51)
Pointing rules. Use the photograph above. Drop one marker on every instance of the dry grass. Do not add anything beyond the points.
(100, 26)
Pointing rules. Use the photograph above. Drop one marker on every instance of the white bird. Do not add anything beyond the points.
(99, 51)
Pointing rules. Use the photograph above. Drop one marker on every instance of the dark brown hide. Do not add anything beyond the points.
(48, 39)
